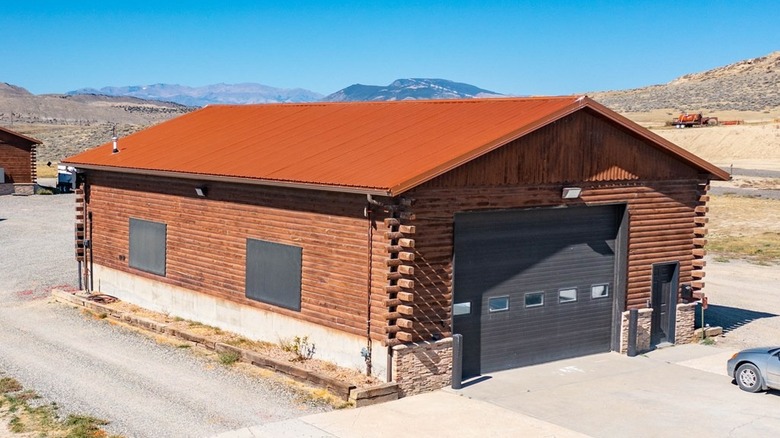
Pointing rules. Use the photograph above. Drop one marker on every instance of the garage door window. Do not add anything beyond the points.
(459, 309)
(599, 291)
(498, 304)
(568, 295)
(534, 299)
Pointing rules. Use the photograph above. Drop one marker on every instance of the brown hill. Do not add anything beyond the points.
(752, 85)
(69, 124)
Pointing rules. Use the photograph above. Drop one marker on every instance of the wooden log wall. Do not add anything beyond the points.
(206, 243)
(18, 159)
(399, 295)
(80, 224)
(665, 198)
(663, 227)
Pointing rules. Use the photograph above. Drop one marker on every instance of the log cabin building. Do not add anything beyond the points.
(17, 163)
(530, 226)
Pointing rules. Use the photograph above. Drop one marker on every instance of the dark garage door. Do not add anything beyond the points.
(532, 286)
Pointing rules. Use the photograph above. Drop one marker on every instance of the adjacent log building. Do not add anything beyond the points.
(17, 163)
(528, 225)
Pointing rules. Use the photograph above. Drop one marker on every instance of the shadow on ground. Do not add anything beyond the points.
(730, 318)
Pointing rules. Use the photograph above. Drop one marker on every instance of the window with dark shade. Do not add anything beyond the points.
(273, 273)
(148, 246)
(534, 299)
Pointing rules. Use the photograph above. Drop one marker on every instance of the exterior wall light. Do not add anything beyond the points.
(201, 191)
(571, 192)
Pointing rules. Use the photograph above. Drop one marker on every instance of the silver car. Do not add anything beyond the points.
(756, 369)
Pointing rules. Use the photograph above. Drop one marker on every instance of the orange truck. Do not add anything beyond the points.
(690, 120)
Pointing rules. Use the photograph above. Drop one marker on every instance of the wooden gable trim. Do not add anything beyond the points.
(580, 104)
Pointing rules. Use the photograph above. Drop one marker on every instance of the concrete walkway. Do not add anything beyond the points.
(435, 414)
(677, 391)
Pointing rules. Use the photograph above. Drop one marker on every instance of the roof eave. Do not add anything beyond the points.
(236, 180)
(22, 136)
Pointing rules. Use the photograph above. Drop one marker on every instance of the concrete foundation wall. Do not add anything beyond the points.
(422, 367)
(24, 189)
(338, 347)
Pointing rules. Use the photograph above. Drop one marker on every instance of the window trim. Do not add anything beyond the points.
(606, 289)
(503, 309)
(565, 289)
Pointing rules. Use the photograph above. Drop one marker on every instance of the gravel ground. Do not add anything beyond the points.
(86, 366)
(743, 299)
(732, 187)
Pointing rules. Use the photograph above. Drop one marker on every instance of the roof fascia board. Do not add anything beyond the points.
(236, 180)
(22, 136)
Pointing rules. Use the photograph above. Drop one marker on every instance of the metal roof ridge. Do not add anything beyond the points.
(391, 102)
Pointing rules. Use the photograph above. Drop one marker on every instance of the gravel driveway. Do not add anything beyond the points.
(86, 366)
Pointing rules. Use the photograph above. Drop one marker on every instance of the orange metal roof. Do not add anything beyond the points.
(367, 147)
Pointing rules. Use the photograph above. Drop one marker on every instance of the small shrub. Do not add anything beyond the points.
(16, 425)
(708, 341)
(228, 358)
(84, 426)
(8, 384)
(299, 346)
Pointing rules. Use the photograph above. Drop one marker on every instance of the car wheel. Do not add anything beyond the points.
(748, 378)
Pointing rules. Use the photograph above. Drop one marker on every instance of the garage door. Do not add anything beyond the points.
(531, 286)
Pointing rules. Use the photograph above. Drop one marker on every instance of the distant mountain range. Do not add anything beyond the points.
(410, 89)
(401, 89)
(69, 123)
(17, 105)
(209, 94)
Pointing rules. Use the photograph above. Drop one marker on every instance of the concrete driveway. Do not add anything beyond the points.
(678, 391)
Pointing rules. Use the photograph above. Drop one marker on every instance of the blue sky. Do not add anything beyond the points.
(513, 47)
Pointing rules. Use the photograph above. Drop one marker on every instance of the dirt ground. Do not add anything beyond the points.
(750, 146)
(745, 301)
(742, 290)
